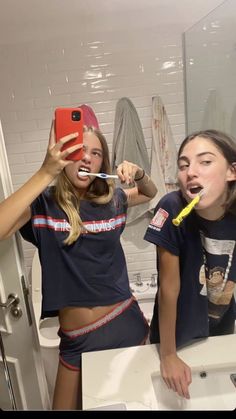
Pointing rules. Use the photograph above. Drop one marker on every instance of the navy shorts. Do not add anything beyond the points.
(122, 327)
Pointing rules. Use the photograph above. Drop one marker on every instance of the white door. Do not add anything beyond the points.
(22, 379)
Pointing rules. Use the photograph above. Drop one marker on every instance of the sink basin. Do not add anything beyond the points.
(145, 289)
(211, 389)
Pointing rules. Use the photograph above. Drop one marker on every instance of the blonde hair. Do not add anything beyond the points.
(68, 197)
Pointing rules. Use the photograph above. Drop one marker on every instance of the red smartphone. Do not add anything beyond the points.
(67, 121)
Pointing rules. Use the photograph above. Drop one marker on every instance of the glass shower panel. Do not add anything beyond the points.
(210, 71)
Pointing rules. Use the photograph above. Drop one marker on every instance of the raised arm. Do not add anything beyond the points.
(176, 374)
(144, 189)
(15, 210)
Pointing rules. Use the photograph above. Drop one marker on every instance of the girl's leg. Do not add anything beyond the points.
(67, 393)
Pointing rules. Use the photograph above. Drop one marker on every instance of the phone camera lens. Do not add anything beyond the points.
(76, 116)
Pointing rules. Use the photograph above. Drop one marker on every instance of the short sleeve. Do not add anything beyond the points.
(161, 231)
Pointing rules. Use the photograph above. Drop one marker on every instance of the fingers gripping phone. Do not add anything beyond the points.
(67, 121)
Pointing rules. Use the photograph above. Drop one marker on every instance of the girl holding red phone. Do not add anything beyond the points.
(76, 224)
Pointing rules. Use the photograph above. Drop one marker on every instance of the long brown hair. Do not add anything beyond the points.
(226, 144)
(99, 191)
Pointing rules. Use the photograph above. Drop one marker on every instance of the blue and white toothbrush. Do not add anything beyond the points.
(101, 175)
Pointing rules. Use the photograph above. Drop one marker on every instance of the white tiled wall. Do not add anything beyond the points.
(98, 68)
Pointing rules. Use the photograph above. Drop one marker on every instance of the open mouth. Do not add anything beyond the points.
(192, 191)
(83, 170)
(195, 190)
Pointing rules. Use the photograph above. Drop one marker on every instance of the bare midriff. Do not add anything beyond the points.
(71, 318)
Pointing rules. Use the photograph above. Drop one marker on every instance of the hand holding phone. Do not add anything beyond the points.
(67, 121)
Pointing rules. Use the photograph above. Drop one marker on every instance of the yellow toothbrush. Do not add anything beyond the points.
(186, 210)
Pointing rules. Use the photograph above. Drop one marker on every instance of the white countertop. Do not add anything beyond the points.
(122, 378)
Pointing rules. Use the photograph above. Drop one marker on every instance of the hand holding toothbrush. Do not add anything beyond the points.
(129, 172)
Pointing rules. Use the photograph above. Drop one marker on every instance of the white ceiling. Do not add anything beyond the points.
(25, 20)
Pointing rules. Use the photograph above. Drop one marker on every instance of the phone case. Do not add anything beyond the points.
(67, 121)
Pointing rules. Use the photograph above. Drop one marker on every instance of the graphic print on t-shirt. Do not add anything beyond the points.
(218, 259)
(159, 219)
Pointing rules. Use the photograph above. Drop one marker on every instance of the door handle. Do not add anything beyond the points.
(12, 299)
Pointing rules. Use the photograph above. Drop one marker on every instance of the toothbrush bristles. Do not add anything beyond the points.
(201, 192)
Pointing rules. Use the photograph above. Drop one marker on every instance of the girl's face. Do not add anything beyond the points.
(91, 162)
(201, 166)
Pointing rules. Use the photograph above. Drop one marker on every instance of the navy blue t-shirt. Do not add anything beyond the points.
(183, 241)
(207, 257)
(90, 272)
